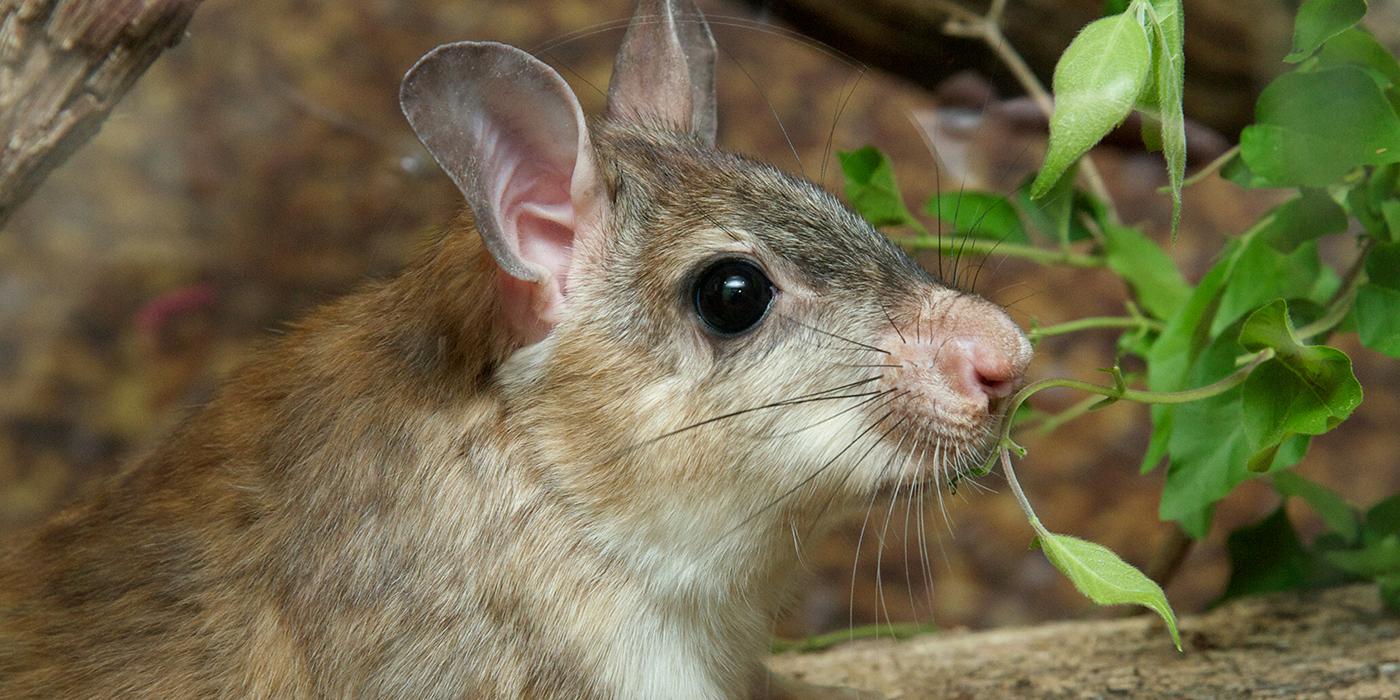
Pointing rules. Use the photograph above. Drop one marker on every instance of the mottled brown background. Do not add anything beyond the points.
(262, 167)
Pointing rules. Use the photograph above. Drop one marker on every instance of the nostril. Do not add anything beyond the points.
(986, 373)
(996, 375)
(996, 388)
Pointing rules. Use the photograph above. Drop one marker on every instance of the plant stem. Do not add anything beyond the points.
(1092, 322)
(1340, 304)
(968, 25)
(1207, 169)
(972, 245)
(1052, 421)
(1216, 388)
(1020, 495)
(817, 642)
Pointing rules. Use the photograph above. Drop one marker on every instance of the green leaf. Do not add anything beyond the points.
(1175, 352)
(1113, 7)
(1301, 219)
(1237, 171)
(1266, 557)
(1262, 274)
(1358, 47)
(1383, 519)
(1151, 272)
(1168, 81)
(1374, 202)
(1305, 389)
(871, 188)
(1104, 578)
(1389, 585)
(1325, 371)
(978, 215)
(1313, 127)
(1096, 82)
(1378, 318)
(1151, 129)
(1320, 20)
(1053, 215)
(1339, 516)
(1278, 403)
(1383, 265)
(1390, 212)
(1206, 445)
(1378, 558)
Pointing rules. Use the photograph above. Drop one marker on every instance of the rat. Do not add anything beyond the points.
(564, 454)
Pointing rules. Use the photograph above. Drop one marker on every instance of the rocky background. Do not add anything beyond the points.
(262, 166)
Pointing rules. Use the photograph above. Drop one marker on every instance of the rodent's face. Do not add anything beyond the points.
(697, 333)
(739, 335)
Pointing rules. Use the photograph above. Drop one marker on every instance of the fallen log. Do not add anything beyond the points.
(1340, 643)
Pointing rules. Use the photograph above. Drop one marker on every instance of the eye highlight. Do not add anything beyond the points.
(732, 296)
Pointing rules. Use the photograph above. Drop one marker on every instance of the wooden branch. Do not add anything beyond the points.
(1340, 643)
(63, 65)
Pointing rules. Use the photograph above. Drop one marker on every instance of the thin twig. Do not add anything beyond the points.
(966, 24)
(1341, 301)
(1207, 169)
(1092, 322)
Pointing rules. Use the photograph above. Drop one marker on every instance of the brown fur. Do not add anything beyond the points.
(396, 500)
(222, 560)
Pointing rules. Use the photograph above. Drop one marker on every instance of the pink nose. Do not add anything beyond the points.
(981, 369)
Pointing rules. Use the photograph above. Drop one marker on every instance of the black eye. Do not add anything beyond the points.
(732, 296)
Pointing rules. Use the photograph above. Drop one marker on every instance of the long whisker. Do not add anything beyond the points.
(855, 464)
(908, 513)
(833, 335)
(831, 135)
(924, 564)
(555, 59)
(897, 332)
(938, 457)
(813, 476)
(937, 188)
(797, 545)
(875, 396)
(880, 554)
(1001, 239)
(714, 20)
(772, 110)
(823, 395)
(855, 561)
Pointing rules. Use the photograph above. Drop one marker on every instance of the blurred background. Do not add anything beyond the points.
(262, 167)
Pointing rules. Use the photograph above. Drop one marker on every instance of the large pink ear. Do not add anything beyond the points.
(665, 70)
(509, 132)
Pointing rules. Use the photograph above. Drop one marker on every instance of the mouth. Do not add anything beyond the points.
(927, 458)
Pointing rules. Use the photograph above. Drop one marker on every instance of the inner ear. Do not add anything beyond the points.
(664, 73)
(511, 135)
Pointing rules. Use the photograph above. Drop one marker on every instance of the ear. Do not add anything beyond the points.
(509, 132)
(665, 70)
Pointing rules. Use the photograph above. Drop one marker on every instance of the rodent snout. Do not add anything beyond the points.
(959, 363)
(979, 370)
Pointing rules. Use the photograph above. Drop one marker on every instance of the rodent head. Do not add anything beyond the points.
(698, 332)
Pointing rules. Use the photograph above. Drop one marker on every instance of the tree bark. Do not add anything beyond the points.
(63, 65)
(1340, 643)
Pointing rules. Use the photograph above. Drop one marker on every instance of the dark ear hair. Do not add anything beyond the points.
(665, 70)
(509, 132)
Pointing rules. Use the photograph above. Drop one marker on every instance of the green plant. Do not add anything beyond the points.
(1236, 366)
